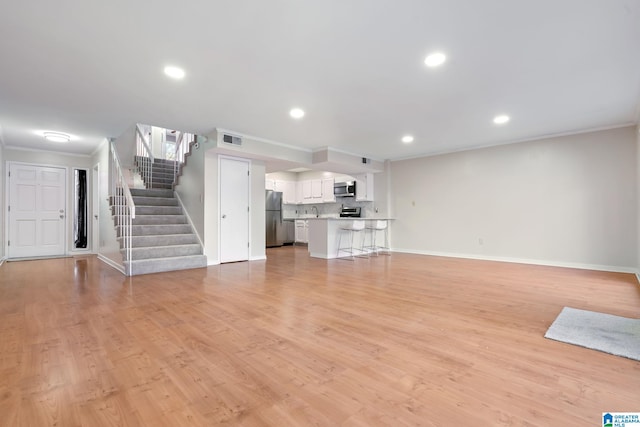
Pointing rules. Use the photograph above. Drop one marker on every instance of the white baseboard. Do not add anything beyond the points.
(111, 263)
(582, 266)
(2, 260)
(217, 261)
(638, 278)
(319, 255)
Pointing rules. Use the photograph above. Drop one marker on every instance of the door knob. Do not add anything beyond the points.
(96, 216)
(61, 216)
(224, 216)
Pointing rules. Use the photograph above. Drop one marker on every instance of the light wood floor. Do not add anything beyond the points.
(294, 341)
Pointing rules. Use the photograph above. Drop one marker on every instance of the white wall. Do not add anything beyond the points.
(381, 190)
(126, 147)
(211, 207)
(282, 176)
(568, 200)
(108, 248)
(3, 207)
(49, 158)
(258, 239)
(191, 186)
(156, 140)
(638, 197)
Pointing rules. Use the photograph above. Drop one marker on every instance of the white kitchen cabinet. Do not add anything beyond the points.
(316, 190)
(311, 191)
(307, 196)
(327, 191)
(364, 187)
(269, 184)
(299, 195)
(302, 231)
(288, 189)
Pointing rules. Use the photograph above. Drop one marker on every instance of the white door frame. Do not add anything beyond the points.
(238, 159)
(73, 202)
(7, 195)
(95, 208)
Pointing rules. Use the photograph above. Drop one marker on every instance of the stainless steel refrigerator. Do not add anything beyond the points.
(274, 226)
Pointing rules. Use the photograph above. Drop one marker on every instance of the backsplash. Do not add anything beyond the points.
(324, 209)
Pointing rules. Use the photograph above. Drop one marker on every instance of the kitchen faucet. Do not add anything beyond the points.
(312, 208)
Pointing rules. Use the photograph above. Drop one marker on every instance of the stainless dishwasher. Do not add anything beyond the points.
(289, 226)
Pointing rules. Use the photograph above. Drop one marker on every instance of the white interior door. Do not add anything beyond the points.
(234, 210)
(37, 211)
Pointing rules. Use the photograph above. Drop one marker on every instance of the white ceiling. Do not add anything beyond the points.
(356, 67)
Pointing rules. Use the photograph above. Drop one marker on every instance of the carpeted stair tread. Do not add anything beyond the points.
(154, 201)
(157, 230)
(158, 265)
(162, 185)
(151, 192)
(158, 210)
(148, 252)
(163, 240)
(153, 219)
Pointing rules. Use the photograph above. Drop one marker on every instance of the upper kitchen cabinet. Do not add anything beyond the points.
(327, 190)
(307, 195)
(312, 191)
(316, 190)
(269, 184)
(288, 189)
(364, 187)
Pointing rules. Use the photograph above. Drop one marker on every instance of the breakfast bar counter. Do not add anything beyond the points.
(324, 234)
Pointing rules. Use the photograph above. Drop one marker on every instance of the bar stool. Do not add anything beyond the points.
(374, 228)
(354, 228)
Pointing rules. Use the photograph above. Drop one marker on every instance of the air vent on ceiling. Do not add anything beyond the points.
(230, 139)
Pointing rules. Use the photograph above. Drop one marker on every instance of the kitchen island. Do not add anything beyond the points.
(324, 234)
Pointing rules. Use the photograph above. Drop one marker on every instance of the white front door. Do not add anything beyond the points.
(234, 210)
(37, 211)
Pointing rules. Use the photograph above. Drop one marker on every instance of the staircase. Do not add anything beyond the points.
(158, 238)
(162, 239)
(162, 172)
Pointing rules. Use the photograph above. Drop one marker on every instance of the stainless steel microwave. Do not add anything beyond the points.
(344, 189)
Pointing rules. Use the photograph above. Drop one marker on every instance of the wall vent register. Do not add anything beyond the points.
(230, 139)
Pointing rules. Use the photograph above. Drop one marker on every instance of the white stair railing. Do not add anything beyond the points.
(124, 209)
(144, 157)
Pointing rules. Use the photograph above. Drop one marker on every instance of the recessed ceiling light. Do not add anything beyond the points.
(174, 72)
(407, 139)
(500, 120)
(296, 113)
(435, 59)
(56, 136)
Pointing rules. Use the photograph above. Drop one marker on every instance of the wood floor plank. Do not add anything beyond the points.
(403, 340)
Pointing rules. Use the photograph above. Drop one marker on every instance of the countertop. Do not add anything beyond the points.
(333, 218)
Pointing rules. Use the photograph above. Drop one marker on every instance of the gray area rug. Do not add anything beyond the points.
(604, 332)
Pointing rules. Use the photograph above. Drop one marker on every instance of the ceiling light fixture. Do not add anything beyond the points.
(56, 136)
(435, 59)
(174, 72)
(296, 113)
(407, 139)
(501, 119)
